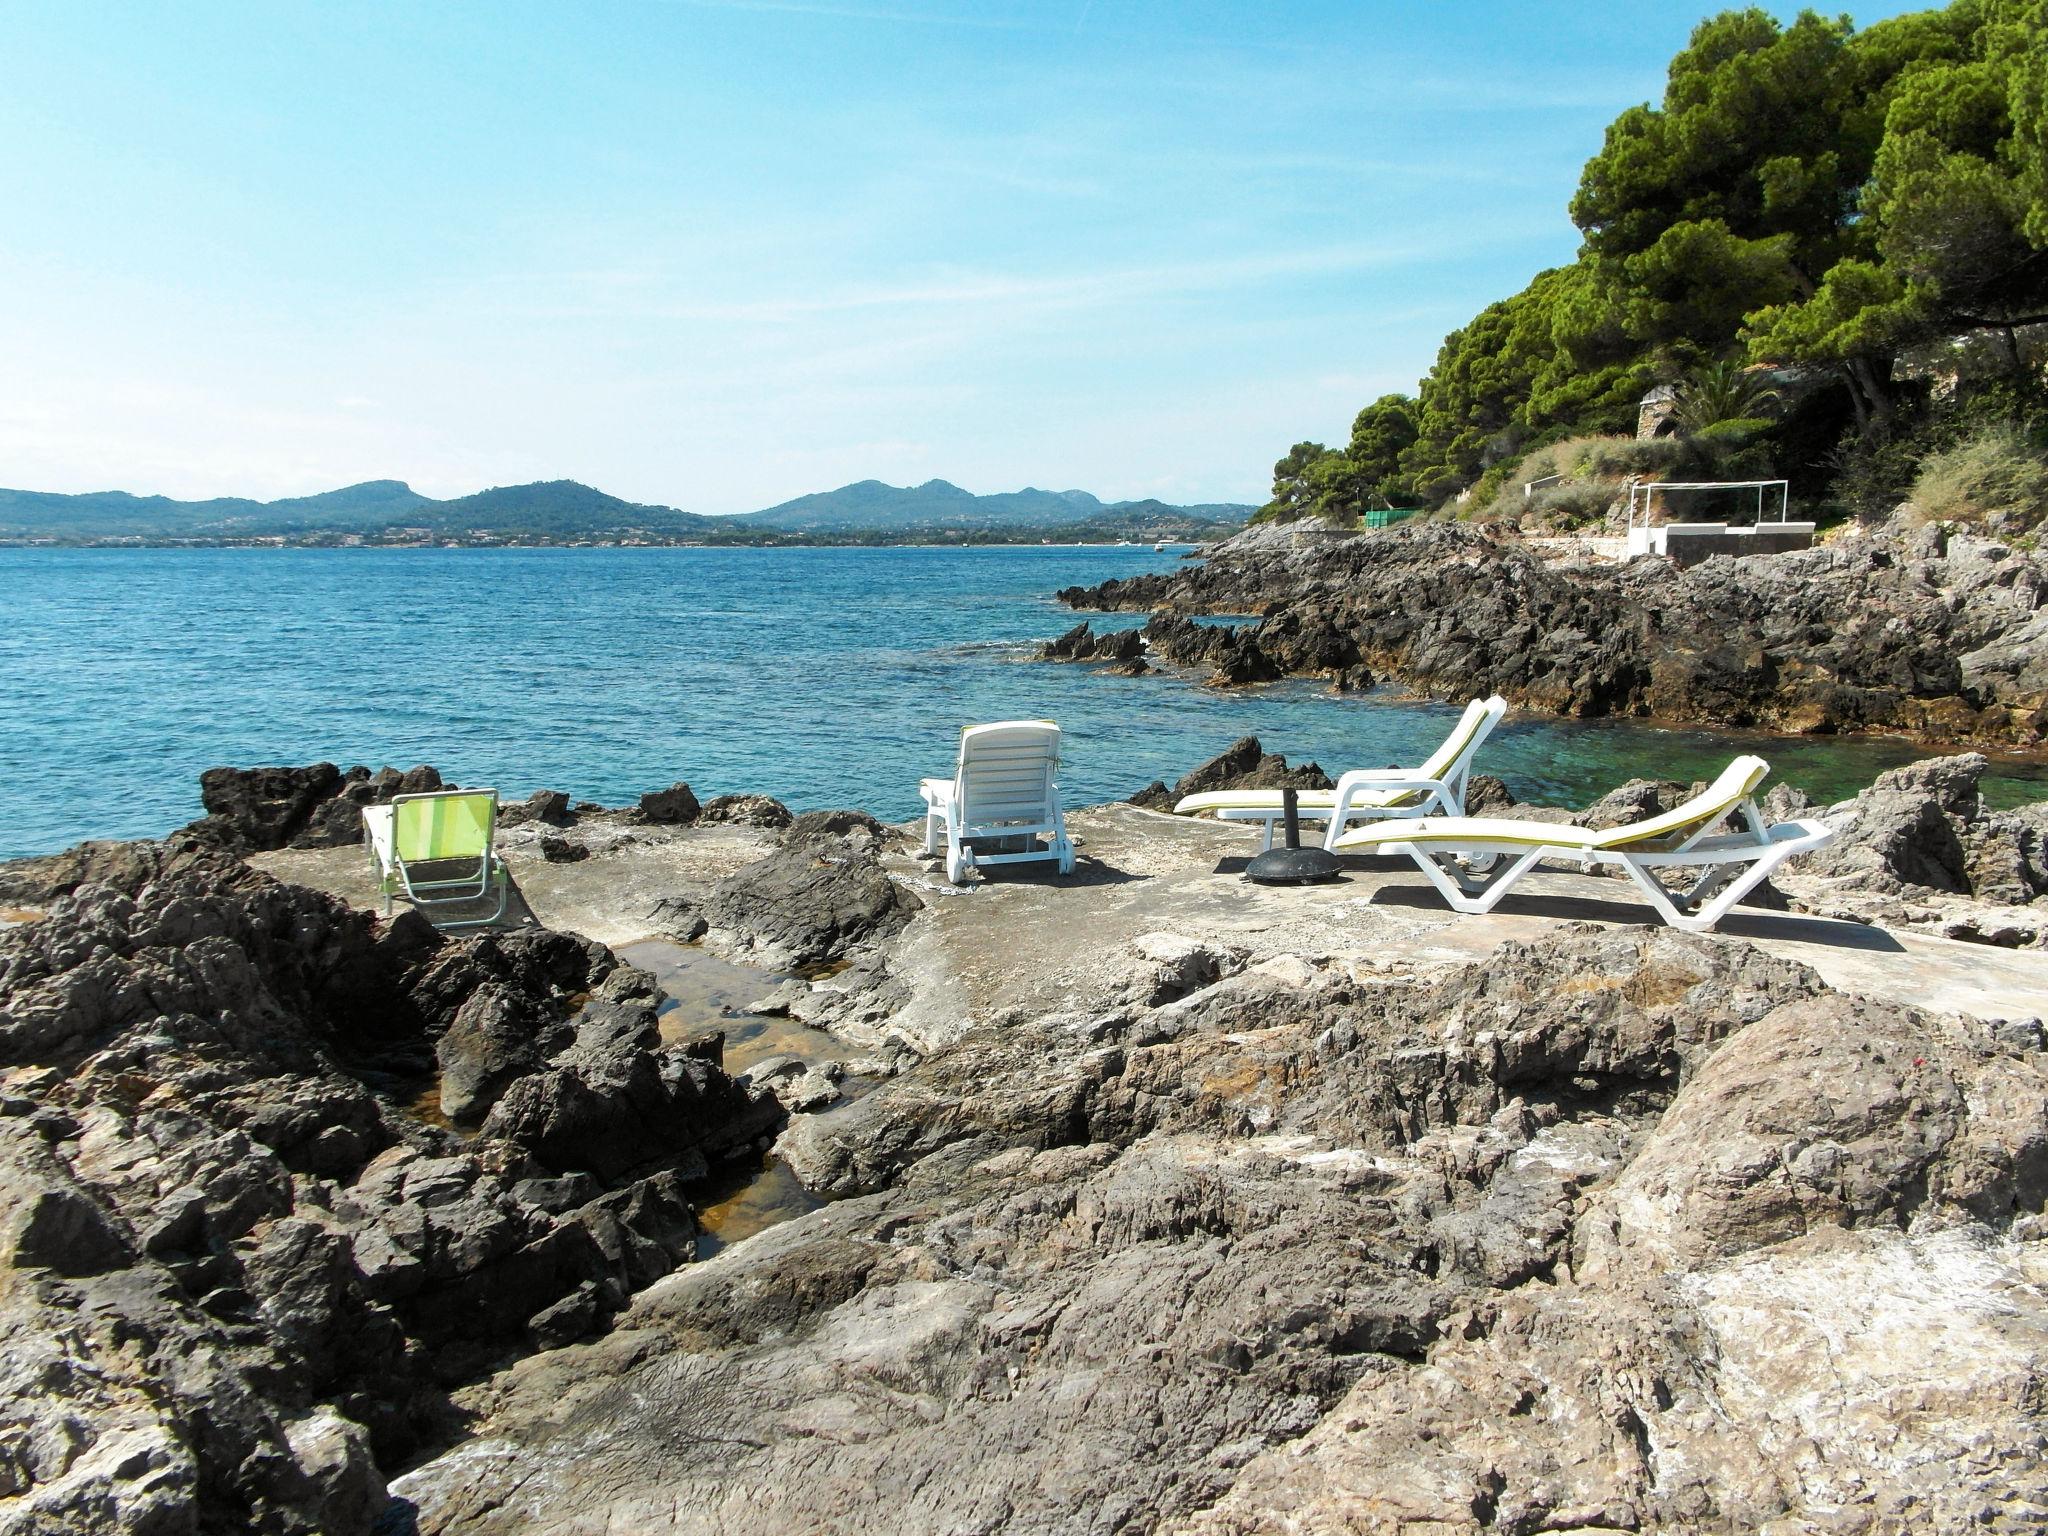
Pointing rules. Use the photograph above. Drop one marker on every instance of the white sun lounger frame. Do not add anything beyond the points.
(1368, 794)
(1730, 865)
(1002, 792)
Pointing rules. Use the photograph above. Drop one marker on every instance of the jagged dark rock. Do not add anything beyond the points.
(811, 902)
(241, 1274)
(674, 806)
(1244, 764)
(1485, 795)
(1502, 1248)
(836, 830)
(1232, 656)
(678, 918)
(264, 807)
(37, 881)
(257, 810)
(1154, 796)
(746, 811)
(1637, 800)
(613, 1102)
(550, 807)
(1121, 652)
(1921, 847)
(497, 1035)
(1945, 641)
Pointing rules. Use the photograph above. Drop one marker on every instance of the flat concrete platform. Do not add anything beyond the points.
(1026, 940)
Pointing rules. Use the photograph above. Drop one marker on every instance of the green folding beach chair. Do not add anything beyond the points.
(436, 851)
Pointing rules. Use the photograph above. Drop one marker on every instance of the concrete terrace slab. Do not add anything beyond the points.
(1027, 941)
(608, 896)
(1023, 939)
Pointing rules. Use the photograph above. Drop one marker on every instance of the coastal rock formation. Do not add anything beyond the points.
(1919, 847)
(251, 810)
(1229, 656)
(550, 807)
(241, 1277)
(40, 880)
(1626, 1230)
(1945, 638)
(673, 806)
(1124, 648)
(256, 810)
(1244, 764)
(746, 810)
(1204, 1212)
(1232, 655)
(839, 831)
(809, 903)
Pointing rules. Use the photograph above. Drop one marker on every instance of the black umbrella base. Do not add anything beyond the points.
(1294, 866)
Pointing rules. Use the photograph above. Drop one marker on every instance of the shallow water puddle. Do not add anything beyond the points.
(426, 1107)
(707, 992)
(750, 1199)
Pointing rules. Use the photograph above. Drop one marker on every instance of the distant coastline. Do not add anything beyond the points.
(764, 538)
(567, 514)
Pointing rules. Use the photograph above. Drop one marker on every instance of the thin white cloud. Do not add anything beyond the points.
(637, 292)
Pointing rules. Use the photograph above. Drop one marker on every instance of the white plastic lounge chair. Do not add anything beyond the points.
(1000, 801)
(449, 828)
(1450, 850)
(1369, 794)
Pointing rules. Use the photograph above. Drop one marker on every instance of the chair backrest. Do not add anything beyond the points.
(1006, 772)
(446, 824)
(1738, 781)
(1452, 762)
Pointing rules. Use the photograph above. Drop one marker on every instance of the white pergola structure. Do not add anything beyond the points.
(1767, 533)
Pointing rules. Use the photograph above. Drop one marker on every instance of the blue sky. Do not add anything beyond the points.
(718, 254)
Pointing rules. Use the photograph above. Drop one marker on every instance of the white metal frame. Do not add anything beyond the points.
(1352, 800)
(393, 878)
(1648, 500)
(1730, 865)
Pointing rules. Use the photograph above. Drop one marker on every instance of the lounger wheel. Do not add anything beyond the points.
(1478, 863)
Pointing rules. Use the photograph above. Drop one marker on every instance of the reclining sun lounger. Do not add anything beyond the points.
(1000, 801)
(1369, 794)
(1448, 850)
(451, 828)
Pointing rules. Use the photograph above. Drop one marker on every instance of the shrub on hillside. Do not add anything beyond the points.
(1998, 477)
(1596, 467)
(1568, 506)
(1616, 458)
(1585, 471)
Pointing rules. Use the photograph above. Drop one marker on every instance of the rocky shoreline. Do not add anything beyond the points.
(1155, 1201)
(1942, 637)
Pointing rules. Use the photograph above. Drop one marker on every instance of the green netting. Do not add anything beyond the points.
(442, 827)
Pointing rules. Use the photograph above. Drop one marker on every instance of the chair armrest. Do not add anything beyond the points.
(377, 826)
(1385, 778)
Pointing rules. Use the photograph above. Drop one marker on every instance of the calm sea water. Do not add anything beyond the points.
(819, 676)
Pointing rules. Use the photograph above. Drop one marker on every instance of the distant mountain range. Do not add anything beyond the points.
(565, 511)
(869, 504)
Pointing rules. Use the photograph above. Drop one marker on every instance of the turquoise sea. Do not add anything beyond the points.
(819, 676)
